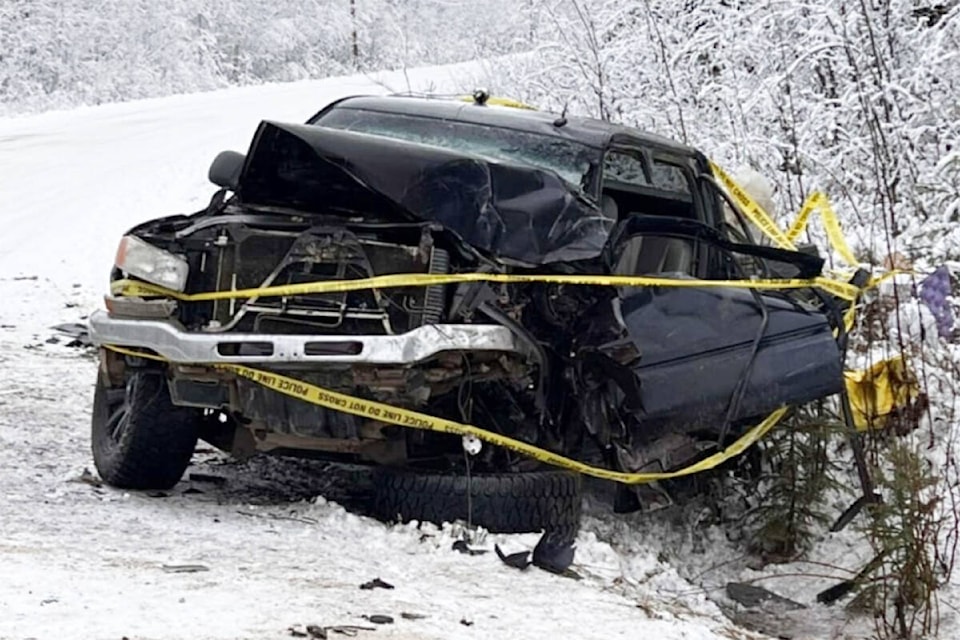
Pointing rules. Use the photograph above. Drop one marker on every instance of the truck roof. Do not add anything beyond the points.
(588, 131)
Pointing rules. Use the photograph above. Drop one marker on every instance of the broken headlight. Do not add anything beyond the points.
(145, 261)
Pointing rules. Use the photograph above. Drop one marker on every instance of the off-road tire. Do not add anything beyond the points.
(501, 503)
(152, 448)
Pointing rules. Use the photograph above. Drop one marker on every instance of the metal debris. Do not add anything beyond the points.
(376, 583)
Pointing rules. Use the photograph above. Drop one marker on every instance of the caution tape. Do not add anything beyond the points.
(142, 289)
(401, 417)
(816, 202)
(803, 218)
(849, 318)
(831, 224)
(753, 210)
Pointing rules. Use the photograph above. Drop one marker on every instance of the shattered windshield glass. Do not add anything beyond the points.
(629, 168)
(573, 162)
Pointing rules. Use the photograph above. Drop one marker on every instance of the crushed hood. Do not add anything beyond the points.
(512, 211)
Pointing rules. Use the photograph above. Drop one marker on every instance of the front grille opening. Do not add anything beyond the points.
(245, 348)
(339, 348)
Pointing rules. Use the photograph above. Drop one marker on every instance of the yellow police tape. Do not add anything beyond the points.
(840, 289)
(817, 201)
(753, 210)
(831, 224)
(389, 414)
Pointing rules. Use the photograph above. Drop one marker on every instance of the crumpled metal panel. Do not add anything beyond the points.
(515, 212)
(696, 345)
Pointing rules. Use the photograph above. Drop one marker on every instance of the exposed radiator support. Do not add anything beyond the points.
(433, 301)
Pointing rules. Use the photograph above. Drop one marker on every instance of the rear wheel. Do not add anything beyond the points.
(502, 503)
(140, 439)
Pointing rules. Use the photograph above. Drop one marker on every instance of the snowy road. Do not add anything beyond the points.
(81, 561)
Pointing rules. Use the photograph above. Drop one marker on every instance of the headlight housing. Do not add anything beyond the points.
(145, 261)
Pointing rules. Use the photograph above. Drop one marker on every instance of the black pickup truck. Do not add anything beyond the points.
(628, 378)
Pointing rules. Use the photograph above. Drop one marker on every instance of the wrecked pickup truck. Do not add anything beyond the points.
(636, 378)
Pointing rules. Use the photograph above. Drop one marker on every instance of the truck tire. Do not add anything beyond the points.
(501, 503)
(140, 439)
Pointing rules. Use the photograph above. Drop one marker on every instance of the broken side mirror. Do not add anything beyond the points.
(225, 169)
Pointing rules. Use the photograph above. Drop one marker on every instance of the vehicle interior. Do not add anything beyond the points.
(635, 183)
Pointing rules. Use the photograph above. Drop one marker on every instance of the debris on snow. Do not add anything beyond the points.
(412, 616)
(185, 568)
(77, 331)
(376, 583)
(519, 560)
(88, 478)
(463, 547)
(751, 596)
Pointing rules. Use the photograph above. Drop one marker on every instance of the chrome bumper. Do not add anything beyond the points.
(170, 340)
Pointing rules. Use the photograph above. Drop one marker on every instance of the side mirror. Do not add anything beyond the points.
(225, 169)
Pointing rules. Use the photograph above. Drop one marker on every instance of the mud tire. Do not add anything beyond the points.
(140, 439)
(501, 503)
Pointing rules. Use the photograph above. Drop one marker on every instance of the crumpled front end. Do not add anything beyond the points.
(516, 213)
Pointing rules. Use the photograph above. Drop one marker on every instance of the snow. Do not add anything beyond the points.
(78, 560)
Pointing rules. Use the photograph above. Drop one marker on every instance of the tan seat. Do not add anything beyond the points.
(641, 255)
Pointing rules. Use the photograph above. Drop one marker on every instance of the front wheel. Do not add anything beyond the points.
(140, 439)
(499, 502)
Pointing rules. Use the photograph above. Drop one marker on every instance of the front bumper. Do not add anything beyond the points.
(168, 339)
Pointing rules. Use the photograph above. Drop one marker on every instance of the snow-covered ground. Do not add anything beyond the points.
(260, 552)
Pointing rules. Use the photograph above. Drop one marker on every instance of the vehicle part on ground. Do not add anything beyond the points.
(141, 440)
(554, 553)
(501, 503)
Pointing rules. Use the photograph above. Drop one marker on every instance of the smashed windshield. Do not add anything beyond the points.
(631, 169)
(575, 163)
